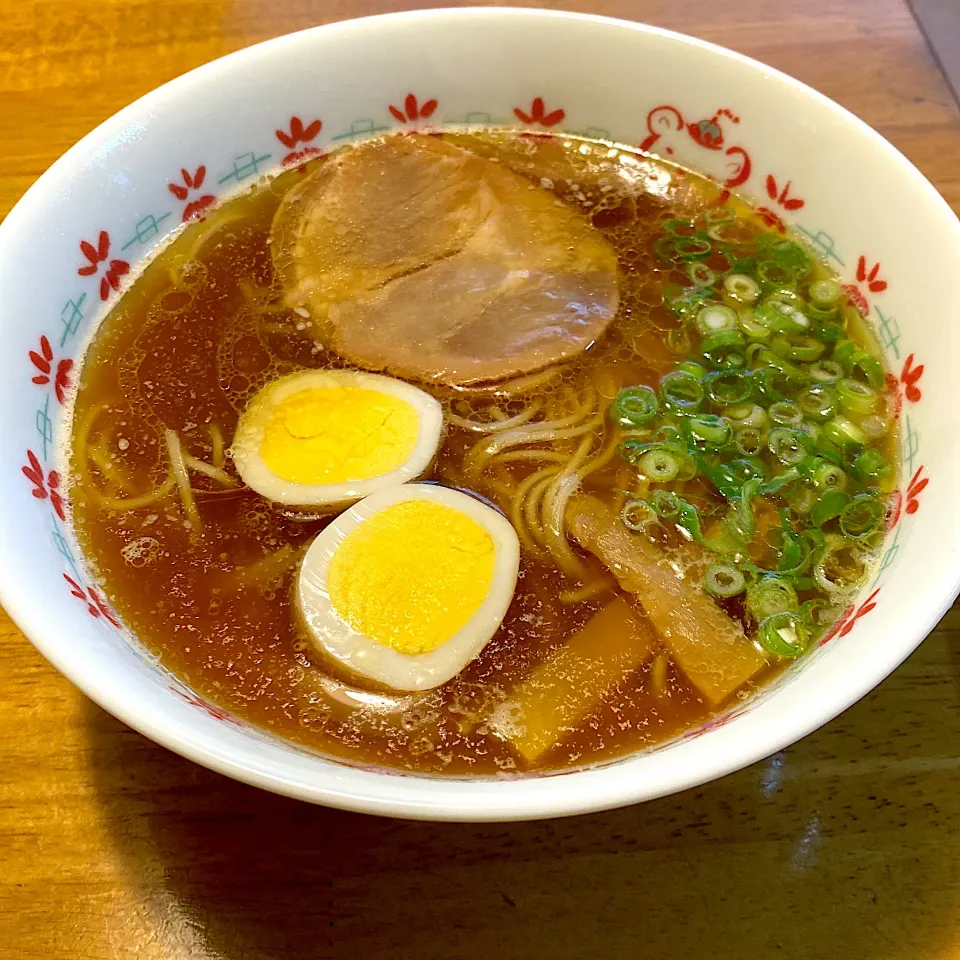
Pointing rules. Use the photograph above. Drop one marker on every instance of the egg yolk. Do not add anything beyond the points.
(336, 434)
(412, 575)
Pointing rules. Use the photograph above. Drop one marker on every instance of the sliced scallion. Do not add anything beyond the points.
(724, 580)
(747, 415)
(825, 371)
(818, 403)
(862, 516)
(659, 464)
(856, 398)
(716, 318)
(770, 595)
(634, 407)
(871, 466)
(681, 392)
(829, 506)
(781, 317)
(845, 434)
(786, 413)
(741, 288)
(749, 441)
(783, 634)
(788, 446)
(771, 275)
(825, 293)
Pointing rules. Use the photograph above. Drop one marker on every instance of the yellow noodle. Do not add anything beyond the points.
(554, 506)
(510, 388)
(519, 501)
(216, 441)
(542, 432)
(515, 456)
(268, 568)
(531, 509)
(133, 503)
(208, 470)
(182, 478)
(593, 589)
(497, 425)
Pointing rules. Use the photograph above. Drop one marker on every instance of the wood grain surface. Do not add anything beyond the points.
(844, 845)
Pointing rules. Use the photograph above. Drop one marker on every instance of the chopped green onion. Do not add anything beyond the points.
(856, 398)
(700, 274)
(637, 514)
(818, 403)
(788, 446)
(634, 407)
(770, 595)
(825, 293)
(871, 466)
(741, 288)
(692, 248)
(785, 412)
(749, 441)
(791, 256)
(748, 467)
(756, 332)
(796, 347)
(845, 434)
(862, 516)
(841, 566)
(716, 318)
(667, 504)
(817, 613)
(707, 429)
(781, 317)
(823, 474)
(694, 369)
(681, 392)
(725, 350)
(830, 505)
(780, 481)
(679, 228)
(747, 415)
(729, 386)
(825, 371)
(869, 366)
(824, 316)
(783, 634)
(828, 332)
(724, 580)
(828, 449)
(771, 275)
(659, 464)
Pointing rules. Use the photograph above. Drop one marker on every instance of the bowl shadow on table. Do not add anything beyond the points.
(841, 842)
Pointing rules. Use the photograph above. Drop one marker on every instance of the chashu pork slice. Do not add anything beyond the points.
(421, 258)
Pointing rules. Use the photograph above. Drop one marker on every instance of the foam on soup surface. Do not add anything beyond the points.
(677, 410)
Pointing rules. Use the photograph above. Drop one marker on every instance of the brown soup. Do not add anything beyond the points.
(208, 325)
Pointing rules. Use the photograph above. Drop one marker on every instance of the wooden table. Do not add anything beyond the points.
(112, 848)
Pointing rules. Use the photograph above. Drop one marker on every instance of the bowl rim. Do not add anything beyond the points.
(476, 800)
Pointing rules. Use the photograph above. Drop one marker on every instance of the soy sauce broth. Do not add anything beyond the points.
(184, 350)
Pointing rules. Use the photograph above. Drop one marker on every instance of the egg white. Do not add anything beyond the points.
(365, 658)
(255, 473)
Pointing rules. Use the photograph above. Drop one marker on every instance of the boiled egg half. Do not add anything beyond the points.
(330, 437)
(406, 587)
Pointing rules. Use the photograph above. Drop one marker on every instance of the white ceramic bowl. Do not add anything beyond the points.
(86, 226)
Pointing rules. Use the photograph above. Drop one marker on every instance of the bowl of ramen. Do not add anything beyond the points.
(557, 415)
